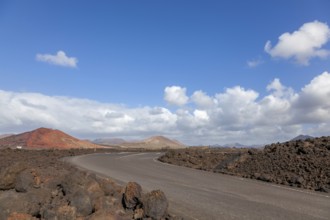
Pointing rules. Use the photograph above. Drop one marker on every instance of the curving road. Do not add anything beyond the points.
(201, 195)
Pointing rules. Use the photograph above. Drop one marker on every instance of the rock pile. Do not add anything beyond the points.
(152, 205)
(203, 158)
(49, 194)
(303, 164)
(36, 185)
(300, 163)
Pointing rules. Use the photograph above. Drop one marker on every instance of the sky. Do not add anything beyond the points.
(199, 71)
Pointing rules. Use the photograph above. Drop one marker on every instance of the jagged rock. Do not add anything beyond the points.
(73, 181)
(138, 214)
(94, 190)
(265, 177)
(108, 187)
(84, 181)
(24, 181)
(82, 202)
(62, 212)
(8, 175)
(155, 204)
(106, 203)
(29, 203)
(35, 199)
(8, 200)
(174, 217)
(105, 215)
(36, 179)
(132, 195)
(20, 216)
(323, 189)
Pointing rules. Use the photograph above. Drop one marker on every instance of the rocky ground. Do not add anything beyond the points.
(36, 184)
(303, 164)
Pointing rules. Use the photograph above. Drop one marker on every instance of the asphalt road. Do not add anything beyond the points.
(200, 195)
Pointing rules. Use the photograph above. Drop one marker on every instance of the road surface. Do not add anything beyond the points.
(196, 194)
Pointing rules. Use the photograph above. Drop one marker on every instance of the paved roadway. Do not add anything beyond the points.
(197, 194)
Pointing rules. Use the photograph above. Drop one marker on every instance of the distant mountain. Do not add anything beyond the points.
(5, 135)
(154, 143)
(237, 145)
(301, 137)
(109, 141)
(44, 138)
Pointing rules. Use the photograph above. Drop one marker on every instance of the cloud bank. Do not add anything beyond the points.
(233, 115)
(60, 59)
(302, 45)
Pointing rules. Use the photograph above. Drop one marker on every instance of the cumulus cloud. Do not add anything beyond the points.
(175, 95)
(302, 45)
(279, 90)
(241, 115)
(236, 114)
(201, 115)
(78, 116)
(202, 100)
(318, 90)
(236, 108)
(313, 103)
(60, 59)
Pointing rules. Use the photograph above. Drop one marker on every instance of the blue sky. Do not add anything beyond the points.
(120, 56)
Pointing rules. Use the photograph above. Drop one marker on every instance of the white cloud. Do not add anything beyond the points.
(78, 116)
(60, 59)
(233, 115)
(202, 100)
(313, 103)
(237, 96)
(201, 115)
(176, 95)
(254, 63)
(279, 90)
(318, 90)
(302, 45)
(236, 108)
(275, 107)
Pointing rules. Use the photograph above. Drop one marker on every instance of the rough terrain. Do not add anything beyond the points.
(37, 184)
(301, 163)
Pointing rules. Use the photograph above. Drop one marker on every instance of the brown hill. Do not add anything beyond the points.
(154, 143)
(44, 138)
(109, 141)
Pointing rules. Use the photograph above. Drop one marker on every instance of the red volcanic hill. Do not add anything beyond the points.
(44, 138)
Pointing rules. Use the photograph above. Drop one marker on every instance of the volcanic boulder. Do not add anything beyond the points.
(132, 195)
(8, 175)
(24, 181)
(155, 204)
